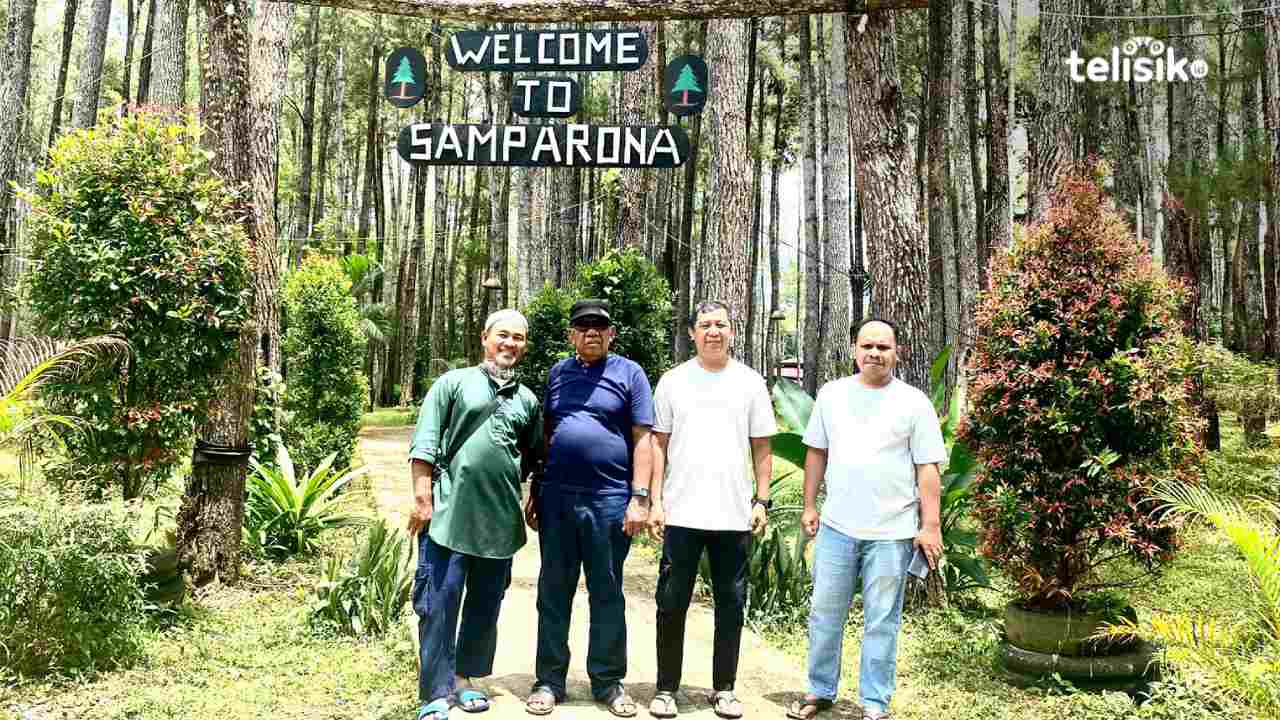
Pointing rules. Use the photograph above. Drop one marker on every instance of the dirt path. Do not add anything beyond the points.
(767, 679)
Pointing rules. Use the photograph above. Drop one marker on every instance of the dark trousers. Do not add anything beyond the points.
(437, 594)
(728, 552)
(581, 532)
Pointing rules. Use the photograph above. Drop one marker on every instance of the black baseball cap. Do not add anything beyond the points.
(590, 308)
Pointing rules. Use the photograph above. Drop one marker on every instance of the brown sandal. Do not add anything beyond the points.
(808, 707)
(541, 701)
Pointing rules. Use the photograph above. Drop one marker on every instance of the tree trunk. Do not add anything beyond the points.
(835, 227)
(327, 113)
(970, 224)
(60, 89)
(757, 152)
(409, 295)
(637, 109)
(1271, 109)
(209, 521)
(144, 62)
(897, 254)
(812, 232)
(370, 145)
(89, 69)
(15, 64)
(168, 83)
(938, 111)
(684, 258)
(1052, 134)
(728, 215)
(1254, 324)
(302, 209)
(440, 233)
(772, 339)
(131, 30)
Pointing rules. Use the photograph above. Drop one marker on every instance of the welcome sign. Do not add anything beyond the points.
(537, 145)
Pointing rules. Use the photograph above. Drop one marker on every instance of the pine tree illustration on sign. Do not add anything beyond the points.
(404, 76)
(684, 84)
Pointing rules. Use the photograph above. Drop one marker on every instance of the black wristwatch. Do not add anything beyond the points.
(767, 504)
(642, 493)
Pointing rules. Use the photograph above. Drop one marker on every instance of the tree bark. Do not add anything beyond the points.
(302, 209)
(409, 295)
(897, 254)
(89, 69)
(144, 62)
(321, 180)
(684, 258)
(812, 352)
(775, 211)
(133, 7)
(1052, 135)
(548, 11)
(728, 201)
(938, 110)
(757, 159)
(835, 227)
(370, 145)
(168, 83)
(960, 270)
(15, 63)
(1271, 109)
(212, 513)
(60, 89)
(637, 109)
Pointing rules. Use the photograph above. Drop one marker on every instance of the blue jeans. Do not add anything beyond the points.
(839, 561)
(437, 594)
(581, 532)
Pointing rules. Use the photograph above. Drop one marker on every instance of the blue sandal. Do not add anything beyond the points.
(437, 709)
(472, 700)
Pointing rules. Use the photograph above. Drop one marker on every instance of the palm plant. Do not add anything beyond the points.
(284, 514)
(365, 594)
(375, 317)
(29, 364)
(1243, 658)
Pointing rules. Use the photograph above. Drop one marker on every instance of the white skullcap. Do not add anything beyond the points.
(502, 316)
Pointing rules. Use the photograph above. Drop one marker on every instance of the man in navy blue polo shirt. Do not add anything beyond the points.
(598, 411)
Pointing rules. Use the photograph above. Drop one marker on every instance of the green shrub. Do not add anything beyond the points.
(285, 513)
(135, 236)
(325, 390)
(1241, 386)
(366, 593)
(640, 305)
(70, 599)
(1077, 402)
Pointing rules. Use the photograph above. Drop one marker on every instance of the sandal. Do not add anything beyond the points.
(541, 701)
(808, 707)
(618, 702)
(663, 705)
(472, 700)
(437, 709)
(726, 705)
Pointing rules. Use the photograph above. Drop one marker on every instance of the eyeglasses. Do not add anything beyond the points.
(591, 325)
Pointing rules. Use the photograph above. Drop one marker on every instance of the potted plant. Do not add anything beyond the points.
(1077, 409)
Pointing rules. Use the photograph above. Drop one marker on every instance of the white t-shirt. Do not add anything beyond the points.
(874, 438)
(710, 417)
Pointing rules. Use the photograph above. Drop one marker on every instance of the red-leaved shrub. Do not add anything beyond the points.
(1077, 399)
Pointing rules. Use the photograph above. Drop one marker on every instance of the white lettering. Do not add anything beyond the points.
(669, 147)
(608, 137)
(478, 135)
(546, 142)
(510, 139)
(449, 139)
(420, 137)
(570, 41)
(598, 43)
(556, 107)
(629, 48)
(1097, 69)
(501, 48)
(636, 138)
(522, 54)
(470, 56)
(578, 140)
(527, 86)
(545, 39)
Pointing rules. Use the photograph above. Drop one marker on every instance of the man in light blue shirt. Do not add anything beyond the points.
(876, 442)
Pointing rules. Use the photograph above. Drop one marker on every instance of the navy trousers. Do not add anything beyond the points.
(444, 649)
(581, 533)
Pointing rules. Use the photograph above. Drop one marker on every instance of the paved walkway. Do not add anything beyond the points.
(767, 680)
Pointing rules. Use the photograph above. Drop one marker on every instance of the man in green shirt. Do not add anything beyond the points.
(479, 433)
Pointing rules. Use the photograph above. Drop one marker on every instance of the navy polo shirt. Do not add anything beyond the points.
(589, 412)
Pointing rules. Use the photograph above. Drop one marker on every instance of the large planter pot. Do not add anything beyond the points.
(1044, 643)
(1063, 632)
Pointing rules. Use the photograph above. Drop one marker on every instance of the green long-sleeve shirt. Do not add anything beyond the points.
(476, 492)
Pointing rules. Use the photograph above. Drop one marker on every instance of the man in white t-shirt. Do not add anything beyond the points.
(876, 442)
(711, 451)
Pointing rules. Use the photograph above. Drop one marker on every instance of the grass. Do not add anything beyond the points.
(389, 417)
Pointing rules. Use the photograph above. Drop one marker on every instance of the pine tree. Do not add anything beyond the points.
(684, 84)
(404, 76)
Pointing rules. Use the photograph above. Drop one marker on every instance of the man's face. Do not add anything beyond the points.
(505, 343)
(712, 335)
(876, 351)
(591, 336)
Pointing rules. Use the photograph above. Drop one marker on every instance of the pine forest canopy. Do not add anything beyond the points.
(534, 11)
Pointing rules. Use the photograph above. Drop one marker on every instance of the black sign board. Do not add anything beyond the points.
(556, 97)
(523, 50)
(686, 85)
(406, 77)
(572, 145)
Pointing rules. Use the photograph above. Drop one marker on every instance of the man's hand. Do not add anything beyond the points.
(420, 518)
(930, 543)
(637, 514)
(759, 518)
(657, 521)
(809, 520)
(531, 513)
